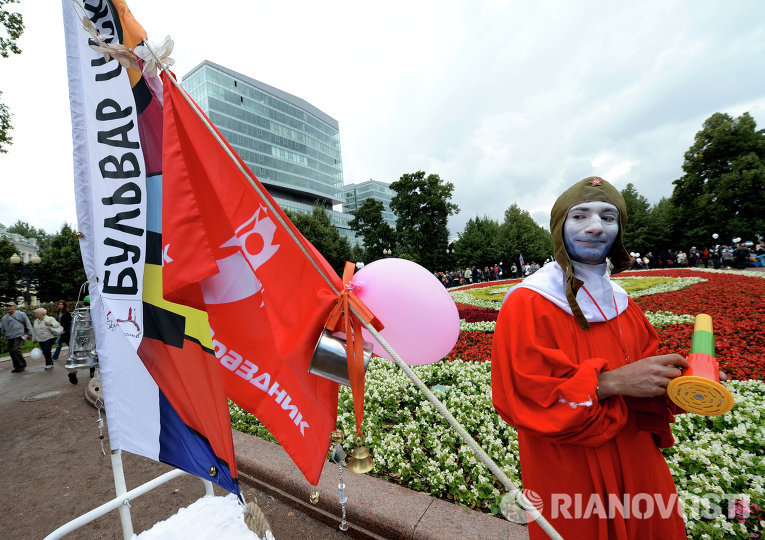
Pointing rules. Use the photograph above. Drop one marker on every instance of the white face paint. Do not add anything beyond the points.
(590, 230)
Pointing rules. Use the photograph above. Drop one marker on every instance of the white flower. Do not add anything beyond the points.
(464, 297)
(162, 51)
(482, 326)
(663, 318)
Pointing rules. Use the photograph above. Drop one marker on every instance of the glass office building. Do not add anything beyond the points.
(291, 146)
(356, 194)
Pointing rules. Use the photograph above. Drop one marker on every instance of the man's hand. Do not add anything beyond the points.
(648, 377)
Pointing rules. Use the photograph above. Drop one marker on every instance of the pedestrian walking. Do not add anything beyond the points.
(16, 327)
(64, 318)
(45, 331)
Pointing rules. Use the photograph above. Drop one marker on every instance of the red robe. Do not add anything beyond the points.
(585, 458)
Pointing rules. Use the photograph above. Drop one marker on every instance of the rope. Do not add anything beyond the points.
(493, 467)
(255, 520)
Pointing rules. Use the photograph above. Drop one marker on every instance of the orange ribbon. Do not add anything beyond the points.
(342, 319)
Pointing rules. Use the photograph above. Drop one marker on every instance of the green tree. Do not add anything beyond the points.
(659, 226)
(422, 207)
(479, 243)
(721, 190)
(11, 28)
(368, 222)
(9, 284)
(318, 229)
(61, 272)
(521, 235)
(637, 236)
(358, 253)
(5, 127)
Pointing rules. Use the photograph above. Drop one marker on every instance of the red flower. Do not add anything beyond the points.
(472, 347)
(735, 302)
(476, 314)
(486, 284)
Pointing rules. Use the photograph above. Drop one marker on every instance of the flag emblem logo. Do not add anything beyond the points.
(237, 279)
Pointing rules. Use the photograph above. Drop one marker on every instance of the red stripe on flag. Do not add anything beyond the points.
(225, 252)
(200, 402)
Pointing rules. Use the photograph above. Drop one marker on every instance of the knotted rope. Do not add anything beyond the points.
(255, 520)
(346, 316)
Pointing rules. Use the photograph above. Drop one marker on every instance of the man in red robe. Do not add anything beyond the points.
(575, 370)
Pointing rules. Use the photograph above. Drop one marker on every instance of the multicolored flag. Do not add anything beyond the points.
(522, 264)
(162, 389)
(226, 252)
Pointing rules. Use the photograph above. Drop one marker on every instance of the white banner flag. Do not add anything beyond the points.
(110, 190)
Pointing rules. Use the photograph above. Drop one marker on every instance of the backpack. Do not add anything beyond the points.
(55, 330)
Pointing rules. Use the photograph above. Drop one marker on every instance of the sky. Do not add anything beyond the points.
(511, 101)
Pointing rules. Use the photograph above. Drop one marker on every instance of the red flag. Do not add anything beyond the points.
(226, 253)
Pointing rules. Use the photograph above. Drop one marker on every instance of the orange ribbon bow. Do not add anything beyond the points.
(342, 319)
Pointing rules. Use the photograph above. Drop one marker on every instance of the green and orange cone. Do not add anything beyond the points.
(699, 390)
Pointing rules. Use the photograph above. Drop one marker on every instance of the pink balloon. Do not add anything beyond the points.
(420, 317)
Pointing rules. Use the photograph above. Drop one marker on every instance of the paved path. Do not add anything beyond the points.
(53, 469)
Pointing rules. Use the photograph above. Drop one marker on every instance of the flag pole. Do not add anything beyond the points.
(490, 464)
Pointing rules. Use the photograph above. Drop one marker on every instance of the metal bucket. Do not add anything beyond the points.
(82, 344)
(331, 361)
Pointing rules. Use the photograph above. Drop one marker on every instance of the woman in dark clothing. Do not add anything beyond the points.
(64, 318)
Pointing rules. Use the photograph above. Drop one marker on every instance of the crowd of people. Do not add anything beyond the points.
(719, 256)
(473, 274)
(45, 330)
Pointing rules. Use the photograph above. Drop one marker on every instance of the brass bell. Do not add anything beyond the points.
(360, 461)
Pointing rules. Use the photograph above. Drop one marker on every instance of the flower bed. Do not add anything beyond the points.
(719, 457)
(714, 461)
(734, 300)
(736, 304)
(722, 456)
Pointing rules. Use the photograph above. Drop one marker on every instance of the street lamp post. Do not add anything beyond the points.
(26, 272)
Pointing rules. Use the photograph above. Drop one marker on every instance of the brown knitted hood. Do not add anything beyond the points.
(589, 189)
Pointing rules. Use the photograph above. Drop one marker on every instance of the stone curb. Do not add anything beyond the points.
(376, 509)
